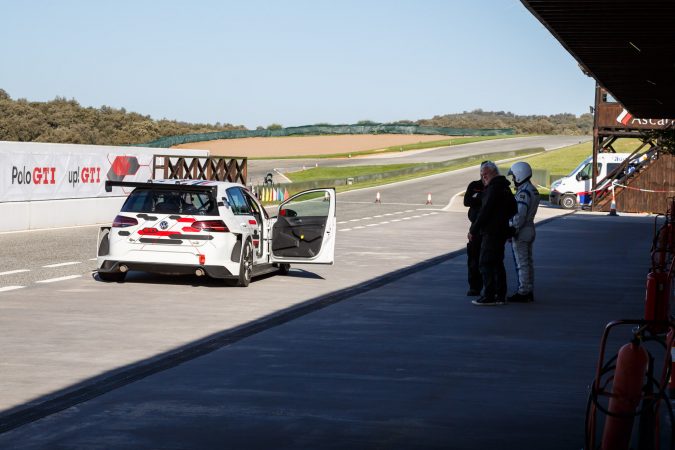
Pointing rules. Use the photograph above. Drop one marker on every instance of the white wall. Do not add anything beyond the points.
(20, 216)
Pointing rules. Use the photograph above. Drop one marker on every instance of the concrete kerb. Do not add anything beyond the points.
(92, 388)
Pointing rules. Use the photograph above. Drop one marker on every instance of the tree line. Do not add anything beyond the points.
(66, 121)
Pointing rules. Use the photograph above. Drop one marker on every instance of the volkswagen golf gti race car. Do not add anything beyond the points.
(214, 228)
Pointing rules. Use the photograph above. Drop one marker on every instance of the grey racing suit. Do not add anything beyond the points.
(527, 199)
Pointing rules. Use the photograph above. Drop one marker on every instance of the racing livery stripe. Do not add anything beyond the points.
(194, 237)
(160, 241)
(156, 232)
(146, 217)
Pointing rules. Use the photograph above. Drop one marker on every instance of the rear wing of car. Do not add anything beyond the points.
(160, 186)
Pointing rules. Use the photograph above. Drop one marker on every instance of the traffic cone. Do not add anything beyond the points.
(429, 199)
(612, 205)
(377, 198)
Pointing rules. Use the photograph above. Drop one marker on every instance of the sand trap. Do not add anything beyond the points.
(306, 145)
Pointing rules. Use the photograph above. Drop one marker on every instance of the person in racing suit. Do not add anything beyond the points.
(523, 231)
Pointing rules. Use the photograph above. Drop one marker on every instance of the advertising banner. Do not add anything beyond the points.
(35, 175)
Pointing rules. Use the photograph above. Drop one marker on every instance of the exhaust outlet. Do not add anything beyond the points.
(199, 272)
(123, 268)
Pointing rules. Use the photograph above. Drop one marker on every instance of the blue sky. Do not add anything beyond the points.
(293, 62)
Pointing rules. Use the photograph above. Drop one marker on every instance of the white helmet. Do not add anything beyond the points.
(521, 172)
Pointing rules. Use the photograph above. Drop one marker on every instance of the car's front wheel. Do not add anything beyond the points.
(112, 277)
(246, 265)
(284, 268)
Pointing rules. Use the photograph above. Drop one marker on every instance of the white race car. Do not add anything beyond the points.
(214, 228)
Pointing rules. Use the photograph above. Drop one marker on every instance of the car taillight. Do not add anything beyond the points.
(123, 222)
(216, 226)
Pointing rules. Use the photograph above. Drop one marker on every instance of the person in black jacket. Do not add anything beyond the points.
(472, 199)
(492, 224)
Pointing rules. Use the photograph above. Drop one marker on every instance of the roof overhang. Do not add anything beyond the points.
(628, 46)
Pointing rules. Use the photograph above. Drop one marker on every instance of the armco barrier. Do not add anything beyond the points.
(316, 130)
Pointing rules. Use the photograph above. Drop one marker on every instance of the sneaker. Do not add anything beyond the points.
(486, 301)
(521, 298)
(473, 293)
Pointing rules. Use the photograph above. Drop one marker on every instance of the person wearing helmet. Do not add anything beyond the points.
(522, 223)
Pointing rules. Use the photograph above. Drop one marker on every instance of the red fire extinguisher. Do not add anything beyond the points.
(657, 301)
(629, 378)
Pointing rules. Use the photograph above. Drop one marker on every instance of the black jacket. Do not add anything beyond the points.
(498, 206)
(472, 198)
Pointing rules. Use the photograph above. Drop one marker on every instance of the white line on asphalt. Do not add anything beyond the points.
(358, 228)
(409, 210)
(340, 223)
(93, 259)
(372, 224)
(346, 229)
(377, 217)
(382, 223)
(366, 218)
(11, 272)
(10, 288)
(383, 203)
(63, 264)
(416, 217)
(406, 218)
(354, 220)
(52, 280)
(395, 220)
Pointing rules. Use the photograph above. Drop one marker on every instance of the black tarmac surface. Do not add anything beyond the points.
(411, 364)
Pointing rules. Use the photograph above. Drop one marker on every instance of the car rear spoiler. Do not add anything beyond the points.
(159, 186)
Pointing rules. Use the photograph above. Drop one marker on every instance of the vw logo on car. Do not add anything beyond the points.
(164, 224)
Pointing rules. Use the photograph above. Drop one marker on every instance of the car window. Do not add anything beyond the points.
(171, 202)
(238, 201)
(311, 204)
(255, 207)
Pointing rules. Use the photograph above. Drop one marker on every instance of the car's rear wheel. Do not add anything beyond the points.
(245, 265)
(284, 268)
(112, 277)
(568, 201)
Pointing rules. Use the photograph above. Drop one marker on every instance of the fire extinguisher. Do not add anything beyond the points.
(629, 378)
(657, 301)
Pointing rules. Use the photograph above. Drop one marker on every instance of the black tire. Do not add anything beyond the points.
(284, 268)
(112, 277)
(568, 201)
(245, 265)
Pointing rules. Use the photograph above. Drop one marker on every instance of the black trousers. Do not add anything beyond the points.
(491, 265)
(472, 262)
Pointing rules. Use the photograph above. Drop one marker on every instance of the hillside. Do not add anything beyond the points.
(66, 121)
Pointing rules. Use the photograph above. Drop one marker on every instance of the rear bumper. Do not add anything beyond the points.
(110, 266)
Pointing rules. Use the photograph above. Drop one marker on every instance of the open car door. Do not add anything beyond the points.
(305, 228)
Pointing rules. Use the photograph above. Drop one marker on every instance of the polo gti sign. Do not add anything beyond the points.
(48, 176)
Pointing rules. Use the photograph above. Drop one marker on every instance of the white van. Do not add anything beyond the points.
(576, 187)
